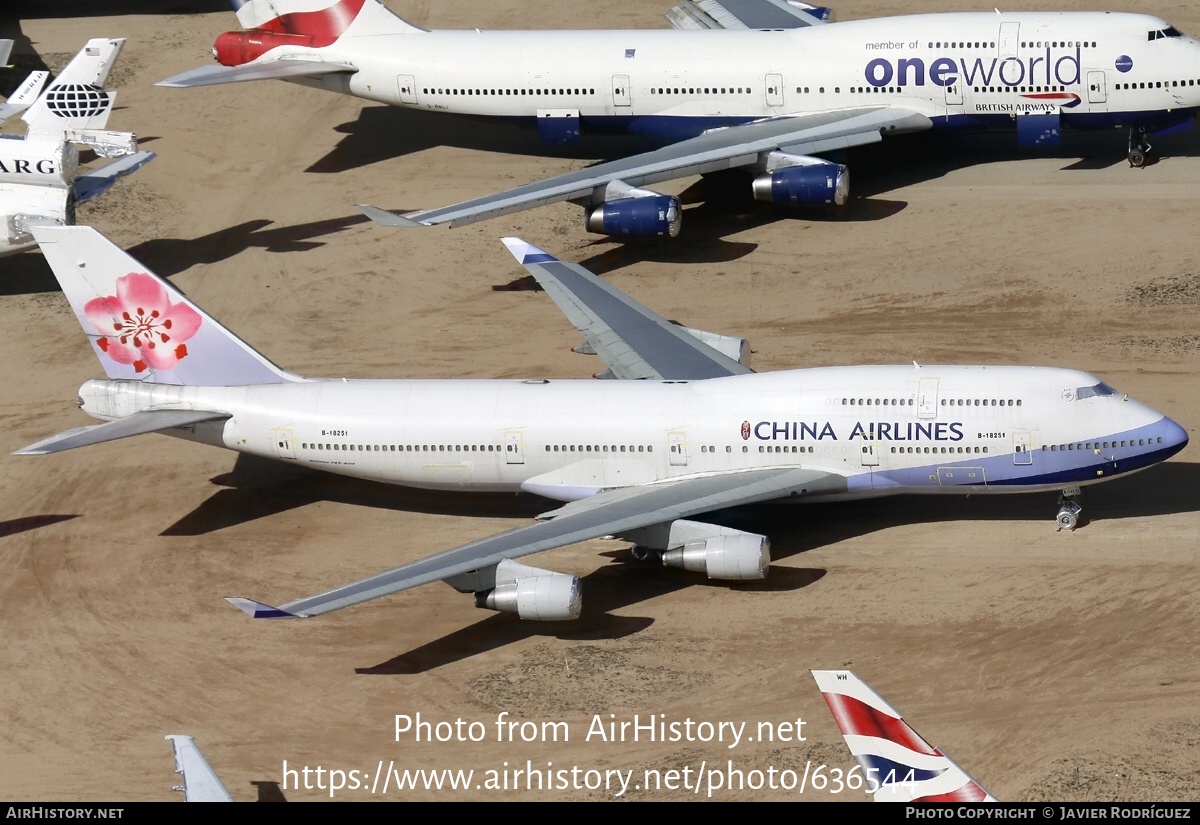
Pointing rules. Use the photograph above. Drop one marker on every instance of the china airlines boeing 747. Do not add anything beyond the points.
(707, 433)
(762, 85)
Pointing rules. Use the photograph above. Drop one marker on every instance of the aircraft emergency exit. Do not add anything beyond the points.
(767, 86)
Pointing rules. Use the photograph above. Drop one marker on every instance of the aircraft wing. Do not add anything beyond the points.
(613, 511)
(5, 51)
(200, 781)
(96, 182)
(633, 341)
(281, 69)
(712, 151)
(746, 14)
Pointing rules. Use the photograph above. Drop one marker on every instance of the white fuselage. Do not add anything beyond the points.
(962, 69)
(36, 178)
(886, 429)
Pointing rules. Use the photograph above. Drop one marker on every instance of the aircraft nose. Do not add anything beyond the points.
(1174, 437)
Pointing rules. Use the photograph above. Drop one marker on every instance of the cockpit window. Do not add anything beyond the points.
(1159, 34)
(1094, 391)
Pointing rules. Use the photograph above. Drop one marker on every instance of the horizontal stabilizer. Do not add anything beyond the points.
(200, 781)
(147, 421)
(96, 182)
(280, 69)
(386, 218)
(258, 610)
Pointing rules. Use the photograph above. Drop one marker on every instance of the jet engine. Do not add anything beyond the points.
(649, 216)
(801, 181)
(530, 592)
(236, 48)
(719, 552)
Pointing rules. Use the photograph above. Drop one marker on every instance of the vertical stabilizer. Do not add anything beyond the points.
(76, 99)
(140, 326)
(903, 766)
(323, 20)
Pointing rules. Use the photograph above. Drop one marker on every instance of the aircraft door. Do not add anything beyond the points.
(514, 447)
(1096, 89)
(774, 88)
(927, 398)
(954, 93)
(1022, 442)
(620, 90)
(285, 442)
(677, 448)
(1009, 37)
(406, 84)
(870, 456)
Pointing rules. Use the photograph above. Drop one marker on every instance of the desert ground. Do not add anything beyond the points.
(1051, 665)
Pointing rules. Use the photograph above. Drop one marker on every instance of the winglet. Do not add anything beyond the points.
(893, 757)
(258, 610)
(386, 218)
(526, 253)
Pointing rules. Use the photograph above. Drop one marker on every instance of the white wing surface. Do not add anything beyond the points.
(614, 511)
(200, 781)
(746, 14)
(633, 341)
(713, 151)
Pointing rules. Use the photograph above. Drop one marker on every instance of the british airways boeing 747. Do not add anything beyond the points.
(768, 86)
(683, 428)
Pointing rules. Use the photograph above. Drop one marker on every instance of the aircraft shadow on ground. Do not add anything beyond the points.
(258, 487)
(621, 583)
(20, 525)
(28, 273)
(268, 791)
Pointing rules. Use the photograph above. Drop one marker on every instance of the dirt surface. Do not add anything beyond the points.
(1053, 666)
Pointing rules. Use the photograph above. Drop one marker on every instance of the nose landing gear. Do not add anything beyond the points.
(1069, 508)
(1139, 148)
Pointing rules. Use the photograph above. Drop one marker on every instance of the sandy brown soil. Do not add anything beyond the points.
(1051, 665)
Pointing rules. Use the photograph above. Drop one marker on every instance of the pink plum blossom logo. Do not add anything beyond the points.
(140, 326)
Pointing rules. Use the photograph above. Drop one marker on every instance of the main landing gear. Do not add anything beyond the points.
(1139, 148)
(1069, 508)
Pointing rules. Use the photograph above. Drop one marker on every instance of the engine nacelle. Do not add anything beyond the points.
(808, 185)
(38, 162)
(639, 217)
(719, 552)
(236, 48)
(532, 593)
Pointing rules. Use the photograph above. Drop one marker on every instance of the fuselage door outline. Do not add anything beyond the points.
(514, 447)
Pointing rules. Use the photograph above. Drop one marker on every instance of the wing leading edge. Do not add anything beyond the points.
(633, 341)
(713, 151)
(610, 512)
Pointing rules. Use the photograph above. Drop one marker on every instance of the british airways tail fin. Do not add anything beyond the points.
(200, 781)
(323, 20)
(904, 767)
(76, 99)
(140, 326)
